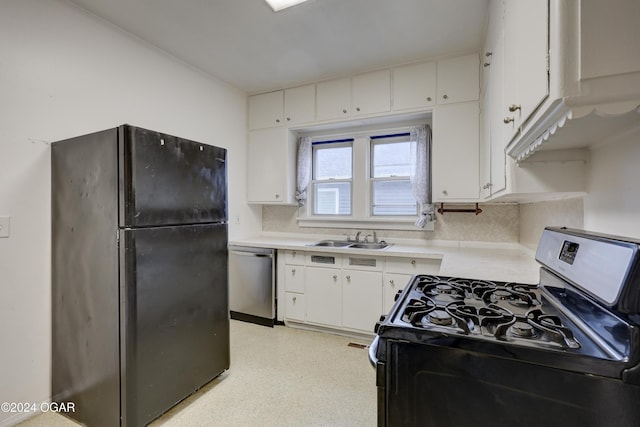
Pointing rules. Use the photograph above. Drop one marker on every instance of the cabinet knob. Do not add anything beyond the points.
(428, 99)
(486, 64)
(348, 278)
(293, 271)
(391, 282)
(357, 108)
(488, 54)
(445, 193)
(293, 254)
(335, 277)
(344, 111)
(413, 262)
(277, 120)
(514, 107)
(508, 120)
(445, 96)
(288, 119)
(487, 186)
(294, 299)
(277, 196)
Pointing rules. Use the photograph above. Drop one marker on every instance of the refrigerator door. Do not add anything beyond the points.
(174, 315)
(166, 180)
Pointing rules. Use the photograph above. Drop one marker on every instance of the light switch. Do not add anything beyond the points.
(4, 226)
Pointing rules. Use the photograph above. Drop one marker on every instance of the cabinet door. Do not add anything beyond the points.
(526, 77)
(414, 86)
(333, 99)
(393, 283)
(300, 104)
(265, 110)
(456, 152)
(371, 93)
(294, 306)
(294, 278)
(323, 295)
(361, 299)
(458, 79)
(267, 166)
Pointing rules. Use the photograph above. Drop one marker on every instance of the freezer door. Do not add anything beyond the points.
(174, 315)
(165, 180)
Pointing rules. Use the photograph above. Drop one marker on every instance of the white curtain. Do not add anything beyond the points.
(304, 169)
(421, 173)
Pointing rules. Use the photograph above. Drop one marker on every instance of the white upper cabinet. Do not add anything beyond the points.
(300, 105)
(458, 79)
(593, 78)
(371, 93)
(271, 159)
(526, 81)
(455, 152)
(414, 86)
(333, 99)
(364, 94)
(266, 110)
(289, 107)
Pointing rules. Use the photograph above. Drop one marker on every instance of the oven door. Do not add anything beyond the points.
(424, 385)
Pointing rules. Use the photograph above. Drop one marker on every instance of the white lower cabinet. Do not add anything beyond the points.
(295, 306)
(361, 299)
(393, 283)
(345, 291)
(323, 296)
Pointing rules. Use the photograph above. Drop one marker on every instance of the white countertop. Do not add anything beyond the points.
(473, 260)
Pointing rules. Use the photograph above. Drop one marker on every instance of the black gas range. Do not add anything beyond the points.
(564, 352)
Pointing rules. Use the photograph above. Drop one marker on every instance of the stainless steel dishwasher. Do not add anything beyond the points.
(252, 285)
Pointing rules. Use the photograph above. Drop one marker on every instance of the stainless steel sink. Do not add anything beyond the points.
(332, 243)
(350, 244)
(380, 245)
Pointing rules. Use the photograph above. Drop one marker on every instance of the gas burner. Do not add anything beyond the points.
(443, 289)
(552, 327)
(516, 295)
(522, 330)
(439, 317)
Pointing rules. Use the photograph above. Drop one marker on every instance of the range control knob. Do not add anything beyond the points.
(395, 298)
(377, 326)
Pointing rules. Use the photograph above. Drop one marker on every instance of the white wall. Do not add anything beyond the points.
(613, 202)
(64, 73)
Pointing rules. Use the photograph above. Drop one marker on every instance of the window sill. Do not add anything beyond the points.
(373, 223)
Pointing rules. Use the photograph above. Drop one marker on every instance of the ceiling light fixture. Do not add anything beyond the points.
(278, 5)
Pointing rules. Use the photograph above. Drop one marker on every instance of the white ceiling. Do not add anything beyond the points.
(246, 44)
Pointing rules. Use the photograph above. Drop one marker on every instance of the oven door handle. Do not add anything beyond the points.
(373, 348)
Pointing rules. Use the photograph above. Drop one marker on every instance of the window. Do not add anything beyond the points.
(391, 192)
(332, 177)
(362, 179)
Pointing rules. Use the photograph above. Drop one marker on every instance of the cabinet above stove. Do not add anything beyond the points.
(594, 79)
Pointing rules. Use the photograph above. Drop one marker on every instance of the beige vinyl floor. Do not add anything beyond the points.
(278, 377)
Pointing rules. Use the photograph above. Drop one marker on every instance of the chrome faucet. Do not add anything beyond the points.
(357, 238)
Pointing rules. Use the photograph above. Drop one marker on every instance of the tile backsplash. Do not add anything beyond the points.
(496, 223)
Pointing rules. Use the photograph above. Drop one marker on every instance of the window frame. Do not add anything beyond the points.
(387, 139)
(318, 145)
(361, 188)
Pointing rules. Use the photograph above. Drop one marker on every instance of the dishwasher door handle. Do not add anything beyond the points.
(251, 254)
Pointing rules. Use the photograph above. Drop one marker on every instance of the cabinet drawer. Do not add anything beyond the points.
(294, 257)
(294, 306)
(327, 260)
(294, 278)
(413, 265)
(363, 262)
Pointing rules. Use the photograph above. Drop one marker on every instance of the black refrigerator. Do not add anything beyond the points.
(139, 273)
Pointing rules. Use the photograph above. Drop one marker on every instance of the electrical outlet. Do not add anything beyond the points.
(4, 226)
